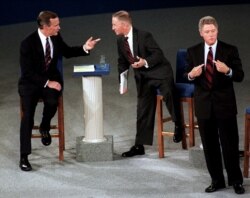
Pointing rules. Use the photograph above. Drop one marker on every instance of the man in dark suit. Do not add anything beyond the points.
(152, 71)
(40, 78)
(213, 66)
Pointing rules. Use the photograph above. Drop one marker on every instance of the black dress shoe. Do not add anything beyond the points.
(135, 150)
(46, 138)
(241, 153)
(214, 187)
(24, 164)
(178, 134)
(239, 189)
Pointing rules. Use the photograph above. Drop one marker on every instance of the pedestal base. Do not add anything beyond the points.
(196, 157)
(93, 152)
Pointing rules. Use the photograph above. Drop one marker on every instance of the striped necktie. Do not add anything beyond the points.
(209, 69)
(131, 59)
(47, 54)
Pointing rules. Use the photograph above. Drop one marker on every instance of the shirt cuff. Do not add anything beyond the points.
(146, 64)
(46, 84)
(190, 78)
(229, 73)
(84, 48)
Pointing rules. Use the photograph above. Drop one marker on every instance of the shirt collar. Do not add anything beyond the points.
(130, 33)
(41, 35)
(213, 46)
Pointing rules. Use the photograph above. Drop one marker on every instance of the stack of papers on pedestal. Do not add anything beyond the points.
(84, 68)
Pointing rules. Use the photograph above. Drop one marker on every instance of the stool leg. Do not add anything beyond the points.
(247, 142)
(61, 129)
(184, 140)
(160, 126)
(191, 122)
(62, 124)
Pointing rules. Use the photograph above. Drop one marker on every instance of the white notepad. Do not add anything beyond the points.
(123, 82)
(84, 68)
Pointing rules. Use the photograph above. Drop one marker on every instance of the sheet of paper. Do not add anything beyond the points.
(123, 82)
(84, 68)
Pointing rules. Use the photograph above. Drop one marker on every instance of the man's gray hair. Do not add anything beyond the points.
(207, 20)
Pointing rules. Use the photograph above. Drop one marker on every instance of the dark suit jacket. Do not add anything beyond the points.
(32, 62)
(221, 98)
(145, 47)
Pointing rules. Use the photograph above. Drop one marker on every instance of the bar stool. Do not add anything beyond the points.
(247, 143)
(59, 127)
(185, 90)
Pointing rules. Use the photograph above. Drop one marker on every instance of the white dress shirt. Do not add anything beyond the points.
(43, 40)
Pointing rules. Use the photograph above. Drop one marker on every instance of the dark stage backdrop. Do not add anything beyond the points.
(16, 11)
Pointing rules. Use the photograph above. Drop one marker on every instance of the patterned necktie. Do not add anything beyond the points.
(47, 54)
(131, 59)
(209, 69)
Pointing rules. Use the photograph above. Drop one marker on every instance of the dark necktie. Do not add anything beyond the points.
(209, 68)
(47, 54)
(131, 59)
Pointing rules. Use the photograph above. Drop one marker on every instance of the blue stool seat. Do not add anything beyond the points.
(185, 89)
(248, 110)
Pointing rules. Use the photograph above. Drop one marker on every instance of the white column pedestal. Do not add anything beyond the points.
(93, 109)
(93, 146)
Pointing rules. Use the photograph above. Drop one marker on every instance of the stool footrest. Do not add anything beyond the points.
(167, 133)
(166, 119)
(54, 135)
(51, 127)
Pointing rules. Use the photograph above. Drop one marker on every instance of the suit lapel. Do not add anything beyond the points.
(218, 56)
(218, 51)
(55, 49)
(121, 40)
(135, 42)
(39, 47)
(201, 60)
(200, 54)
